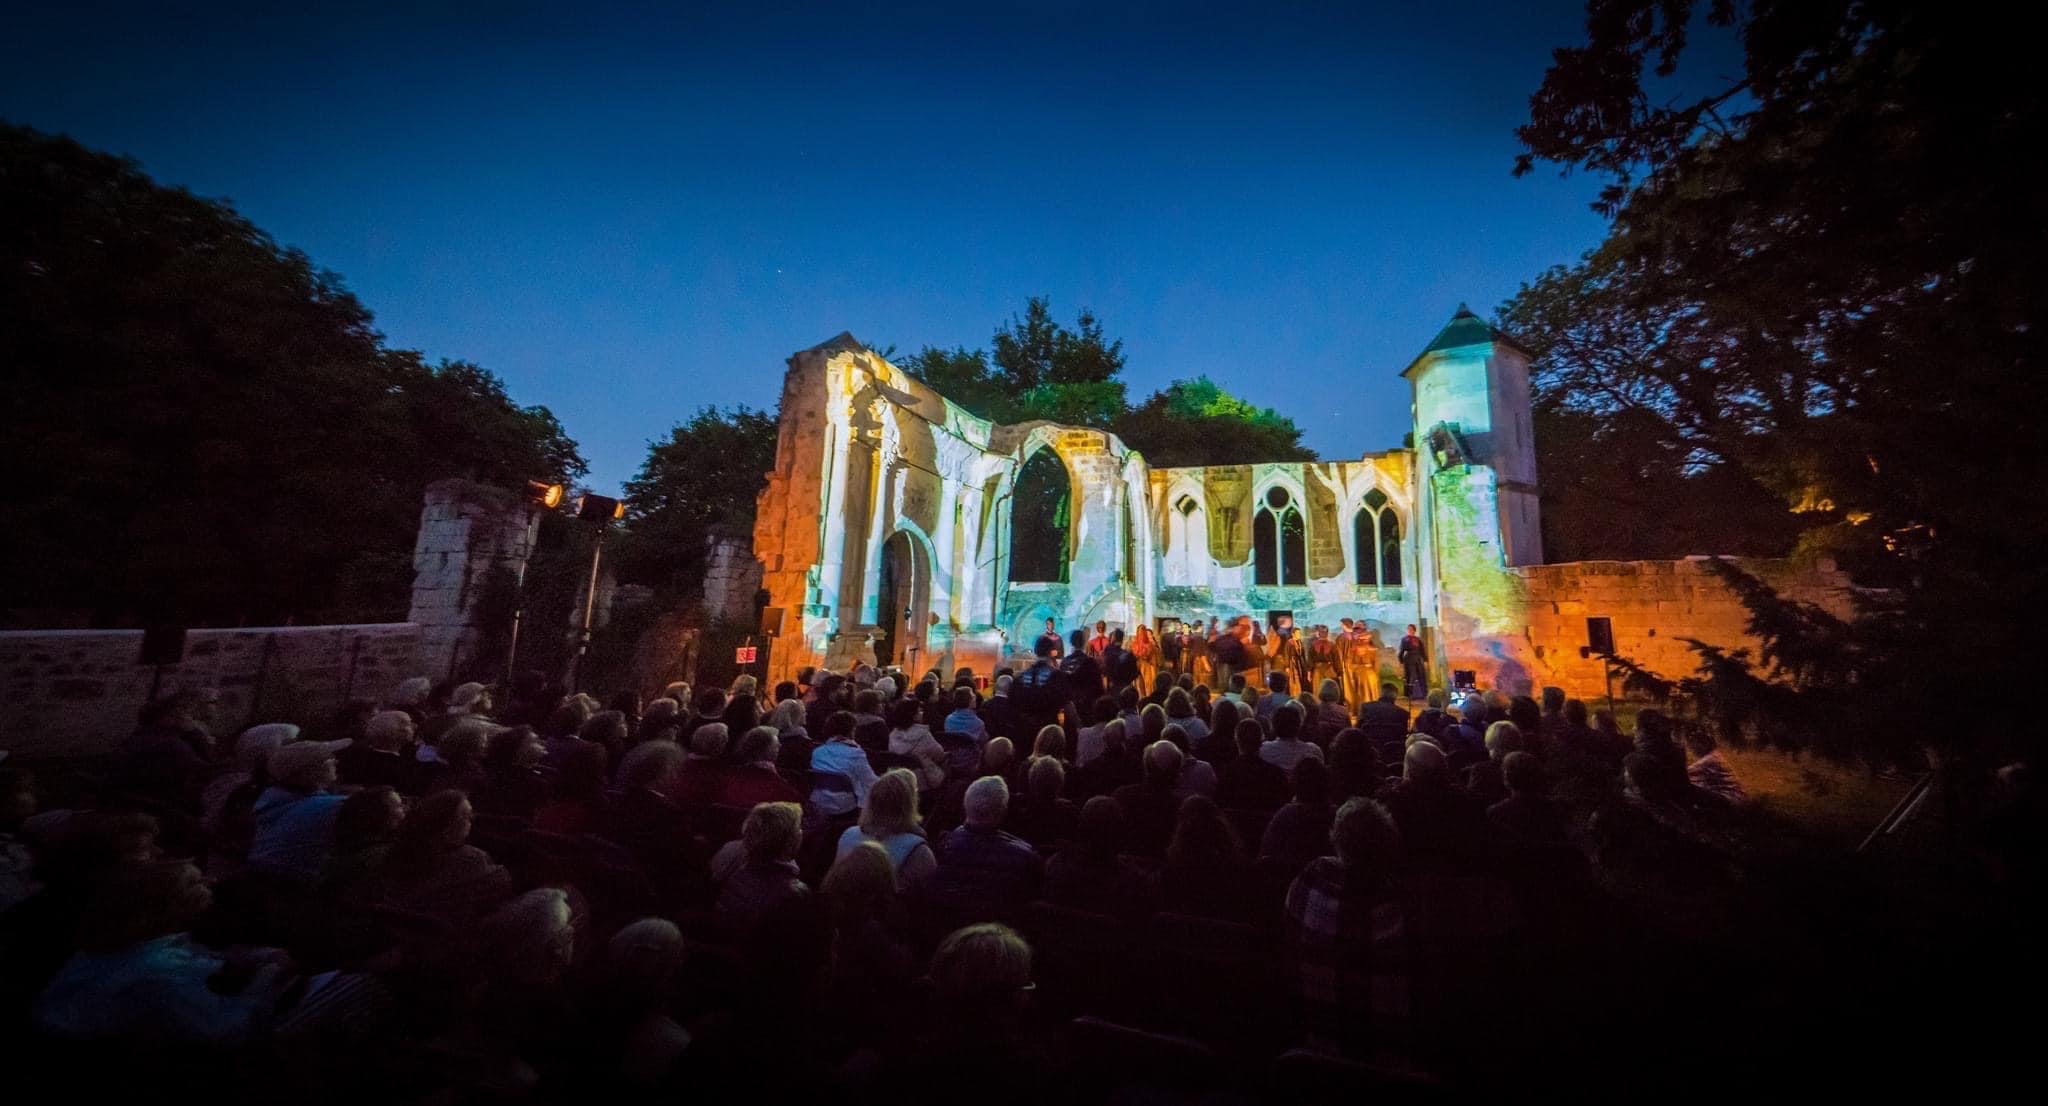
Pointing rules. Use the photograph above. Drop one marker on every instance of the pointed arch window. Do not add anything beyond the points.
(1041, 514)
(1376, 538)
(1279, 542)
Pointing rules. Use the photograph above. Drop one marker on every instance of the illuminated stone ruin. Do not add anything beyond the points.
(898, 528)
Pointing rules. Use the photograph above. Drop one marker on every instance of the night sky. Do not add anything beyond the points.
(629, 212)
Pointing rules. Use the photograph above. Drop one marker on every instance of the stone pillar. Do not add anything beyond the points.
(467, 530)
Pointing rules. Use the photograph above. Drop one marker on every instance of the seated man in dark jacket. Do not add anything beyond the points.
(1444, 825)
(1385, 723)
(1150, 805)
(984, 873)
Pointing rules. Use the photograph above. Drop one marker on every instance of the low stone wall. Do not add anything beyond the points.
(1653, 604)
(78, 692)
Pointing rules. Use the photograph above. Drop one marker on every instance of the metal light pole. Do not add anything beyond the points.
(601, 510)
(539, 495)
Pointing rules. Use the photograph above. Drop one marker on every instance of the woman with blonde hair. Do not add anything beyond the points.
(890, 820)
(1051, 742)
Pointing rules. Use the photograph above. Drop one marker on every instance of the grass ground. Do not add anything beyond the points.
(1837, 804)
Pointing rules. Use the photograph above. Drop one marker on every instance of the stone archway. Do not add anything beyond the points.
(905, 601)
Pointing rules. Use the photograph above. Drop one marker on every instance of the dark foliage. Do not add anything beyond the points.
(205, 426)
(1824, 273)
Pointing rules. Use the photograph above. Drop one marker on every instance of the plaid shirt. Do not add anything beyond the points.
(1347, 945)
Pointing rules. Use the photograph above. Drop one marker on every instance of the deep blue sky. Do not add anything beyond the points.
(630, 212)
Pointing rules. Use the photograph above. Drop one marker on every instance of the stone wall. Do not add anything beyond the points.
(78, 692)
(731, 577)
(467, 532)
(1653, 605)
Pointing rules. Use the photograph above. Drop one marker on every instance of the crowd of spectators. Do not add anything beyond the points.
(853, 882)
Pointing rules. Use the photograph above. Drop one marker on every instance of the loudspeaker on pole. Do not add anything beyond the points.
(1600, 635)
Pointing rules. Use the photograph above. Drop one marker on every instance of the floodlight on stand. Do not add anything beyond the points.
(599, 508)
(545, 494)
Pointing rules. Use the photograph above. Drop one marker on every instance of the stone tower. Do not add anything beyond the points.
(1475, 475)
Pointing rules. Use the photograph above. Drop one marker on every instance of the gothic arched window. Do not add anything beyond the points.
(1279, 542)
(1041, 520)
(1376, 538)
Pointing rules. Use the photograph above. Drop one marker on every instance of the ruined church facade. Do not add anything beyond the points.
(898, 528)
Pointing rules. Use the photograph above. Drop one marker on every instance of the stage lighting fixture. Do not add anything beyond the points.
(599, 508)
(547, 495)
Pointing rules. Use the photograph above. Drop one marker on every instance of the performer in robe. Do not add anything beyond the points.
(1196, 653)
(1324, 663)
(1359, 651)
(1146, 649)
(1414, 664)
(1170, 648)
(1283, 654)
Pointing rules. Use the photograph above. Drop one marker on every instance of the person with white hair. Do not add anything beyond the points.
(754, 778)
(704, 768)
(410, 696)
(252, 752)
(984, 873)
(757, 874)
(470, 701)
(792, 737)
(379, 759)
(1444, 825)
(1151, 806)
(1484, 778)
(295, 814)
(531, 939)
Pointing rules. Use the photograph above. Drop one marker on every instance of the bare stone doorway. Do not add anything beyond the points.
(904, 611)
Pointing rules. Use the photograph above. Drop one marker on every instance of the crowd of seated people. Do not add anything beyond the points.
(842, 884)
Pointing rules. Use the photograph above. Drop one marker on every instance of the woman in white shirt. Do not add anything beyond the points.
(890, 820)
(912, 738)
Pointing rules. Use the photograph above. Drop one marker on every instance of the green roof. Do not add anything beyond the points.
(1465, 329)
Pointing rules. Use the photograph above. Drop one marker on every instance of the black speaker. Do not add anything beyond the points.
(771, 620)
(1600, 635)
(162, 645)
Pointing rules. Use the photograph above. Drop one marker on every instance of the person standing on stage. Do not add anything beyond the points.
(1198, 654)
(1169, 648)
(1359, 653)
(1050, 637)
(1146, 649)
(1284, 652)
(1414, 664)
(1323, 660)
(1230, 652)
